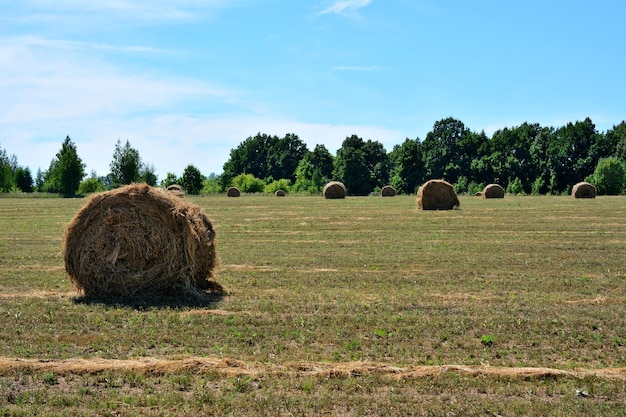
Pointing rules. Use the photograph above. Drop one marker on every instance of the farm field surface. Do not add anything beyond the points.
(354, 307)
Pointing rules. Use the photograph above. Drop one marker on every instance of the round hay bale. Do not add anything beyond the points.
(138, 240)
(493, 191)
(334, 190)
(388, 191)
(584, 190)
(280, 193)
(233, 192)
(478, 194)
(176, 190)
(437, 195)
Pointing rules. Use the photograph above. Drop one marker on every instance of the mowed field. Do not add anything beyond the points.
(355, 307)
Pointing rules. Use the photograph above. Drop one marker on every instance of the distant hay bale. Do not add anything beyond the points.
(584, 190)
(233, 192)
(388, 191)
(138, 240)
(493, 191)
(334, 190)
(437, 195)
(176, 190)
(478, 194)
(280, 193)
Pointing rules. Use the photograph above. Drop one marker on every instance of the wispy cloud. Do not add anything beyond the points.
(156, 10)
(62, 44)
(41, 80)
(345, 6)
(361, 68)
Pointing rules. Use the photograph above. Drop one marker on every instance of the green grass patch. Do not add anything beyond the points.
(517, 282)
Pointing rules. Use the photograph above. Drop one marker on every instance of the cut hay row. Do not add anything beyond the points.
(140, 240)
(229, 367)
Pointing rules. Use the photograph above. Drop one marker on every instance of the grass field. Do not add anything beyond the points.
(355, 307)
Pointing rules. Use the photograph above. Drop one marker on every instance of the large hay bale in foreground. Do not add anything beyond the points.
(233, 192)
(138, 240)
(493, 191)
(388, 191)
(584, 190)
(334, 190)
(437, 195)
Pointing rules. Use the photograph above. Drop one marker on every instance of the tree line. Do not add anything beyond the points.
(526, 159)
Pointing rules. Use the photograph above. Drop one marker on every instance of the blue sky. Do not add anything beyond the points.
(187, 81)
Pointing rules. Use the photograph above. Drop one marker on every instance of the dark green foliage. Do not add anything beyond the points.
(66, 171)
(314, 170)
(148, 175)
(515, 187)
(265, 156)
(281, 184)
(40, 179)
(609, 176)
(24, 180)
(407, 161)
(449, 150)
(126, 164)
(170, 179)
(507, 156)
(211, 185)
(191, 180)
(90, 185)
(361, 166)
(7, 166)
(616, 137)
(527, 159)
(248, 183)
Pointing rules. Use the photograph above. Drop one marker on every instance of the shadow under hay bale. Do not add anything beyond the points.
(493, 191)
(584, 190)
(334, 190)
(437, 195)
(140, 241)
(233, 192)
(280, 193)
(388, 191)
(176, 190)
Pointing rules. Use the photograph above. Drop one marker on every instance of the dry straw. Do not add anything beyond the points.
(176, 190)
(584, 190)
(334, 190)
(437, 195)
(233, 192)
(493, 191)
(388, 191)
(138, 240)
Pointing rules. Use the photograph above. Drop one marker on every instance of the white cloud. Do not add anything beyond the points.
(41, 82)
(156, 10)
(62, 44)
(53, 89)
(360, 68)
(345, 6)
